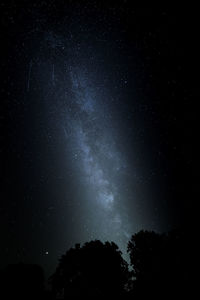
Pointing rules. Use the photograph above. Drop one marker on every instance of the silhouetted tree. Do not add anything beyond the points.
(95, 270)
(22, 281)
(159, 263)
(144, 249)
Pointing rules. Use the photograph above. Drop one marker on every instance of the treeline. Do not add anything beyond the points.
(159, 267)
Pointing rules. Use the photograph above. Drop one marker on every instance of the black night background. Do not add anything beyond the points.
(98, 126)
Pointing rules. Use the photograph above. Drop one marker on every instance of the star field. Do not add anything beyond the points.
(98, 125)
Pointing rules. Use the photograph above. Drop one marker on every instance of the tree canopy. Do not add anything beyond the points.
(95, 269)
(160, 262)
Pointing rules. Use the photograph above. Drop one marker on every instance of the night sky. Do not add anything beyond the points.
(98, 120)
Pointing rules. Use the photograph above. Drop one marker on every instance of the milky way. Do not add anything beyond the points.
(103, 187)
(98, 140)
(110, 197)
(94, 154)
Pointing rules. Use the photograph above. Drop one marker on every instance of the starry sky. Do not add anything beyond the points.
(98, 123)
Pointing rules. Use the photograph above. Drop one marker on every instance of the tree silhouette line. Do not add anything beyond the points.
(159, 268)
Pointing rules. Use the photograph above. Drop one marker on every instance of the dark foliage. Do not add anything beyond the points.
(93, 270)
(160, 263)
(160, 270)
